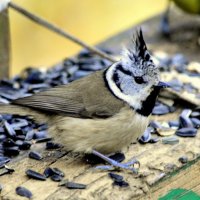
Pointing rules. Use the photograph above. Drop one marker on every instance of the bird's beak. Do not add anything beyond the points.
(162, 85)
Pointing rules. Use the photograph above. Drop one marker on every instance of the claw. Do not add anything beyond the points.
(114, 165)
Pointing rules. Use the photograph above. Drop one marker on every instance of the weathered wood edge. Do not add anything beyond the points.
(4, 44)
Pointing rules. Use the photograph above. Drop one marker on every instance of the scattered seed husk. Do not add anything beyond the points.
(146, 136)
(166, 131)
(11, 151)
(154, 140)
(120, 183)
(187, 132)
(183, 159)
(46, 139)
(48, 172)
(57, 171)
(51, 145)
(35, 155)
(72, 185)
(29, 135)
(196, 122)
(195, 114)
(26, 145)
(35, 175)
(10, 131)
(170, 140)
(3, 161)
(185, 122)
(174, 123)
(119, 157)
(22, 191)
(155, 124)
(56, 178)
(6, 170)
(161, 109)
(93, 159)
(116, 177)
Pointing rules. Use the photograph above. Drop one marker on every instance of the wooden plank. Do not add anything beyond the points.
(4, 44)
(187, 179)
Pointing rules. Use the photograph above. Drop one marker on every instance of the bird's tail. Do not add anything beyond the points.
(24, 111)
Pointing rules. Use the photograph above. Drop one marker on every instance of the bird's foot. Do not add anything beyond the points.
(114, 165)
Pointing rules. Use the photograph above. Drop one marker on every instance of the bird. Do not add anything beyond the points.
(101, 113)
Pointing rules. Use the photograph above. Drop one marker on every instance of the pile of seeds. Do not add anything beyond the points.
(33, 80)
(186, 126)
(18, 132)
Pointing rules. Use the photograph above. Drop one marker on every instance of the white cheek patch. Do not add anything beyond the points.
(133, 101)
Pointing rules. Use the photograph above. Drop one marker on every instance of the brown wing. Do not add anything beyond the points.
(87, 97)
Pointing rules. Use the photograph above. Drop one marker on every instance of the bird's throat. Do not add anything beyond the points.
(149, 103)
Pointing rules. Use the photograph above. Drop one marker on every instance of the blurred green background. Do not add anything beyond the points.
(90, 20)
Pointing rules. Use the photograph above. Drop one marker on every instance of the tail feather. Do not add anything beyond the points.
(23, 111)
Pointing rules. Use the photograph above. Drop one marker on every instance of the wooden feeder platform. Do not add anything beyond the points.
(160, 169)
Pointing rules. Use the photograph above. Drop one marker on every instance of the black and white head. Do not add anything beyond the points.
(135, 78)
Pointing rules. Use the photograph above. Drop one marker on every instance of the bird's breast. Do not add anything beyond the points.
(105, 135)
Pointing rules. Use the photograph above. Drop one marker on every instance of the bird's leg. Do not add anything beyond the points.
(114, 164)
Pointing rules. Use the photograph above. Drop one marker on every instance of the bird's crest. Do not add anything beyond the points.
(138, 50)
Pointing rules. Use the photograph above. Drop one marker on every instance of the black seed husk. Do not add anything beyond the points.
(22, 191)
(47, 139)
(115, 177)
(35, 175)
(26, 145)
(186, 132)
(52, 145)
(160, 110)
(72, 185)
(10, 131)
(48, 172)
(56, 178)
(11, 151)
(119, 157)
(35, 155)
(121, 183)
(6, 170)
(183, 159)
(57, 171)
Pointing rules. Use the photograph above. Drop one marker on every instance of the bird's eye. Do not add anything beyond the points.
(139, 80)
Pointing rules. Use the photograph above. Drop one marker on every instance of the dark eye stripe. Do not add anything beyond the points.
(120, 68)
(116, 80)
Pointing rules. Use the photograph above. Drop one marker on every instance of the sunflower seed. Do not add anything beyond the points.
(72, 185)
(48, 172)
(35, 155)
(56, 178)
(22, 191)
(160, 110)
(35, 175)
(52, 145)
(170, 140)
(115, 177)
(196, 122)
(183, 159)
(121, 183)
(186, 132)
